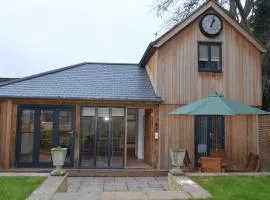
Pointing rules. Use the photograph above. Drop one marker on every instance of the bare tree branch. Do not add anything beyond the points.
(249, 5)
(175, 11)
(242, 12)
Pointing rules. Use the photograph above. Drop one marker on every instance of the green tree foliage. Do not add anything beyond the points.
(259, 22)
(260, 27)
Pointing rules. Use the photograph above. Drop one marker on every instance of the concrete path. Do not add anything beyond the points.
(49, 188)
(127, 188)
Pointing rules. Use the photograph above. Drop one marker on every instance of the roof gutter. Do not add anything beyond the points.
(157, 100)
(147, 54)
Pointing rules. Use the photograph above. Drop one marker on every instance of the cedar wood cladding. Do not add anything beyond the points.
(173, 68)
(173, 71)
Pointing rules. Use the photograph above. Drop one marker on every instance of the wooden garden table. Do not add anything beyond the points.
(225, 162)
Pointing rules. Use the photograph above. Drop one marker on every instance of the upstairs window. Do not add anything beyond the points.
(209, 57)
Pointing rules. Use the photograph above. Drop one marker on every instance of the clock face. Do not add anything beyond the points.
(211, 25)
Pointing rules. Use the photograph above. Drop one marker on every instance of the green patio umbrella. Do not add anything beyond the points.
(217, 104)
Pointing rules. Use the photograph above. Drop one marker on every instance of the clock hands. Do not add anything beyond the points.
(213, 21)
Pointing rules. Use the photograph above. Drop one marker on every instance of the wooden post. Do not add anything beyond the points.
(13, 133)
(125, 153)
(7, 118)
(157, 141)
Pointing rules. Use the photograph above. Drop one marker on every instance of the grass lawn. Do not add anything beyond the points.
(236, 187)
(18, 187)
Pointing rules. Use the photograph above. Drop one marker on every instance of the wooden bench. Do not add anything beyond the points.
(252, 165)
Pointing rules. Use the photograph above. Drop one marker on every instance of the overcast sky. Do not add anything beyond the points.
(40, 35)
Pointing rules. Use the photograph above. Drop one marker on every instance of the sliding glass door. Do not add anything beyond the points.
(117, 138)
(40, 129)
(102, 138)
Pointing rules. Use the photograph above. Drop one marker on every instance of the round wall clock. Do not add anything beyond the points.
(211, 25)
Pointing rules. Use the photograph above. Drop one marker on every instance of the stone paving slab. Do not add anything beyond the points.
(76, 196)
(157, 195)
(182, 183)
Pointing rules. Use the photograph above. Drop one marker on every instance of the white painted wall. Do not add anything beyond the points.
(140, 138)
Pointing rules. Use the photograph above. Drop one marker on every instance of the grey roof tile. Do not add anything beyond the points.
(93, 81)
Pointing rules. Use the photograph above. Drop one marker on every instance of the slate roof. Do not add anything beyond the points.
(87, 81)
(6, 79)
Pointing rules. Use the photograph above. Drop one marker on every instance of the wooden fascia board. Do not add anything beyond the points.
(167, 36)
(239, 28)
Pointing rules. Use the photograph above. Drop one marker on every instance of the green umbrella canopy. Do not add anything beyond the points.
(217, 104)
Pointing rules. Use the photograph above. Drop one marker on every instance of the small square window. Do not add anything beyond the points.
(209, 57)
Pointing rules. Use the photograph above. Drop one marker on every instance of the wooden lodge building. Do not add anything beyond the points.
(116, 115)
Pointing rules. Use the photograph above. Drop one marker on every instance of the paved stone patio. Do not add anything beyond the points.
(115, 184)
(93, 187)
(128, 188)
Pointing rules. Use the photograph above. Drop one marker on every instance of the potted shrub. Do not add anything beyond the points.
(177, 156)
(58, 157)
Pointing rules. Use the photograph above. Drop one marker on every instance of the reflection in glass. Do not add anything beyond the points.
(87, 138)
(117, 138)
(203, 52)
(102, 138)
(46, 131)
(27, 135)
(215, 56)
(87, 141)
(65, 131)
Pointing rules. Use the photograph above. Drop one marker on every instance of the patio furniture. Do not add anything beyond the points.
(188, 167)
(252, 165)
(226, 162)
(210, 164)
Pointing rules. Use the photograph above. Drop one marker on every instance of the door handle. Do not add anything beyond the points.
(72, 133)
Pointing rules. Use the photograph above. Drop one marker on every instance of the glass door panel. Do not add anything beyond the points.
(117, 138)
(66, 132)
(102, 138)
(209, 132)
(87, 142)
(88, 123)
(27, 135)
(46, 135)
(216, 134)
(40, 129)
